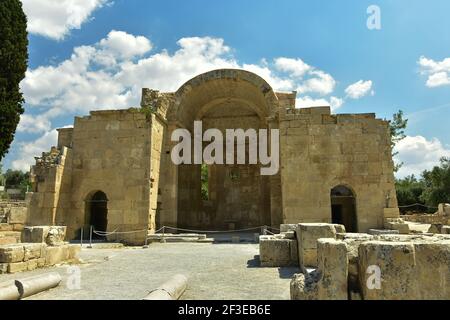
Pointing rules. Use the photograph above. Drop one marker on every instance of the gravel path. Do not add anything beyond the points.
(215, 271)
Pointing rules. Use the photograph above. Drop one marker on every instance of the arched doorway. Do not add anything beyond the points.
(97, 211)
(343, 208)
(225, 195)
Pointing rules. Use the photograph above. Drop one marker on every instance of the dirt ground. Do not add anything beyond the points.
(215, 272)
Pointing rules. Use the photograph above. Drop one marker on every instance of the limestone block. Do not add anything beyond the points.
(329, 281)
(445, 230)
(432, 270)
(444, 209)
(397, 224)
(6, 227)
(57, 255)
(32, 251)
(390, 213)
(56, 236)
(3, 268)
(274, 252)
(32, 264)
(74, 251)
(415, 270)
(18, 215)
(40, 262)
(436, 228)
(7, 240)
(353, 243)
(288, 227)
(294, 252)
(18, 227)
(307, 236)
(17, 267)
(289, 235)
(395, 260)
(339, 228)
(12, 253)
(382, 231)
(34, 234)
(52, 235)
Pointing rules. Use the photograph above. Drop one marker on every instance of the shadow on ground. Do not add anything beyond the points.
(284, 272)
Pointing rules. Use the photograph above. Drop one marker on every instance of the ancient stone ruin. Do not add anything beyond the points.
(336, 265)
(333, 195)
(113, 169)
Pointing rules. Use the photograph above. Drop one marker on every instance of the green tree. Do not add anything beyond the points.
(15, 179)
(13, 65)
(409, 191)
(205, 182)
(437, 184)
(398, 125)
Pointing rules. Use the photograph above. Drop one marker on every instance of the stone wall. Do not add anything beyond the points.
(320, 151)
(29, 256)
(428, 218)
(375, 267)
(125, 155)
(13, 217)
(110, 152)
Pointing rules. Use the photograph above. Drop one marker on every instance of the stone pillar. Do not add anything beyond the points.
(276, 201)
(169, 210)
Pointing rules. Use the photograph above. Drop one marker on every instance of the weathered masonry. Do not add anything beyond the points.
(113, 169)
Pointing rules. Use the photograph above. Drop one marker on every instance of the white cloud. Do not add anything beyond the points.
(111, 73)
(438, 79)
(321, 83)
(359, 89)
(419, 154)
(55, 18)
(438, 72)
(33, 124)
(296, 67)
(29, 150)
(307, 102)
(123, 45)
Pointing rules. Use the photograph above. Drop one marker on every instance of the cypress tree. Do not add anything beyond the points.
(13, 65)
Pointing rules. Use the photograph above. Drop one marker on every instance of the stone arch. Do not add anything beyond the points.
(96, 211)
(222, 99)
(210, 88)
(343, 207)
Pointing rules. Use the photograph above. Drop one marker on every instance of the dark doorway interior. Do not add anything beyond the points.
(98, 212)
(343, 208)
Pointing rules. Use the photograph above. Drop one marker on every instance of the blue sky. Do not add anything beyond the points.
(400, 66)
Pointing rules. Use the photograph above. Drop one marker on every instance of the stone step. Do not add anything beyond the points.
(159, 236)
(9, 237)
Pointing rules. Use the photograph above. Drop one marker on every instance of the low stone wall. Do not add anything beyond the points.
(329, 281)
(411, 269)
(397, 224)
(51, 235)
(13, 217)
(278, 250)
(42, 246)
(307, 236)
(13, 212)
(427, 218)
(414, 267)
(29, 256)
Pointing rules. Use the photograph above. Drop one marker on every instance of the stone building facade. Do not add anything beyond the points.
(113, 169)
